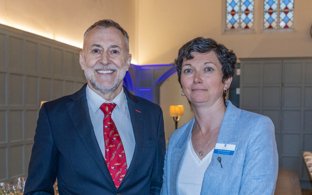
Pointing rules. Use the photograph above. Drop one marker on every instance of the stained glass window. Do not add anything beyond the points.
(278, 14)
(240, 14)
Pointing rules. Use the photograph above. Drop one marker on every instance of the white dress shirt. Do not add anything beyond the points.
(120, 116)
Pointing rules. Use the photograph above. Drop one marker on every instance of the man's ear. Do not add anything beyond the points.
(129, 60)
(82, 60)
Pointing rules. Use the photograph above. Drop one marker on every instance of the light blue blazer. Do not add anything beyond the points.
(251, 169)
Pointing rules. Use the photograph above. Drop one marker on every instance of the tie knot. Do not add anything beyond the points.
(107, 108)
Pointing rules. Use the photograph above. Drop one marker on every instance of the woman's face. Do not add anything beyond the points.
(201, 79)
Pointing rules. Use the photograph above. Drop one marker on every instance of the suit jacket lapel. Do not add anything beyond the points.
(136, 115)
(79, 113)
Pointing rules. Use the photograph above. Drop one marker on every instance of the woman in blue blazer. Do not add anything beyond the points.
(223, 150)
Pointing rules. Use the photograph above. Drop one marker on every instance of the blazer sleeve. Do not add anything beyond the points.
(43, 162)
(261, 162)
(157, 172)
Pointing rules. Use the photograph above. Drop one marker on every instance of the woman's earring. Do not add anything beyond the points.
(226, 94)
(182, 93)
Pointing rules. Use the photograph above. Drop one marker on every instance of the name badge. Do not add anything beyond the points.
(226, 149)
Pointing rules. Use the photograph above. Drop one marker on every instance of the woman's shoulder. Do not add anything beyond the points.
(255, 118)
(247, 116)
(181, 133)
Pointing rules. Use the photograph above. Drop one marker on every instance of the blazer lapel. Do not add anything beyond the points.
(177, 156)
(79, 113)
(227, 130)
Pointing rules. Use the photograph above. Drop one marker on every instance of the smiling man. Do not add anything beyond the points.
(102, 139)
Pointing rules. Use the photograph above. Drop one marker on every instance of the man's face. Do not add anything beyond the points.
(105, 59)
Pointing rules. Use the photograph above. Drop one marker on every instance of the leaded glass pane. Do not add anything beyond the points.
(287, 3)
(286, 14)
(278, 14)
(239, 14)
(247, 14)
(270, 20)
(270, 14)
(247, 21)
(270, 4)
(232, 14)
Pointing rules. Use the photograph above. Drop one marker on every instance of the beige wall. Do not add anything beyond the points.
(170, 94)
(158, 28)
(59, 19)
(165, 25)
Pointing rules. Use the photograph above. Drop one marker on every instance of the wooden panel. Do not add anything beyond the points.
(15, 57)
(272, 72)
(16, 163)
(44, 61)
(31, 91)
(68, 64)
(271, 97)
(56, 63)
(30, 54)
(2, 50)
(252, 74)
(250, 98)
(3, 129)
(31, 69)
(291, 121)
(15, 126)
(45, 86)
(15, 90)
(292, 72)
(2, 88)
(30, 124)
(308, 72)
(308, 97)
(284, 87)
(3, 163)
(292, 97)
(57, 89)
(308, 121)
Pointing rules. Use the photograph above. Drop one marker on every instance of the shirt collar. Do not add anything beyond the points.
(95, 100)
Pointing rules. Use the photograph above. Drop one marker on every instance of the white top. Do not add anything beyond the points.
(192, 171)
(120, 116)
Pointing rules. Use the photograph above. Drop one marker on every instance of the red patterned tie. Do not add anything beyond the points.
(114, 151)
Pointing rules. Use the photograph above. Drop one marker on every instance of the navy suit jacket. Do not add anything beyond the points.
(65, 148)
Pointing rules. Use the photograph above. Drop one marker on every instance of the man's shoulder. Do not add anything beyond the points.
(62, 101)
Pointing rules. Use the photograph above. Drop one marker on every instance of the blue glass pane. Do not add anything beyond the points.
(287, 3)
(283, 14)
(286, 20)
(270, 20)
(247, 4)
(232, 3)
(239, 14)
(232, 22)
(247, 21)
(270, 4)
(232, 13)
